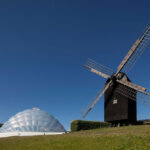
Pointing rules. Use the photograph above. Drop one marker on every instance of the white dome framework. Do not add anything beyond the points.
(32, 120)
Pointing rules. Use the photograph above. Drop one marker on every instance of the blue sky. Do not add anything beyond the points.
(44, 45)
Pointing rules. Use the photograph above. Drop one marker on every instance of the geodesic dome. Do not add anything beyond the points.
(32, 120)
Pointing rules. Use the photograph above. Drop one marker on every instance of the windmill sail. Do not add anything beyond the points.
(99, 69)
(131, 94)
(144, 43)
(135, 52)
(133, 86)
(100, 94)
(85, 109)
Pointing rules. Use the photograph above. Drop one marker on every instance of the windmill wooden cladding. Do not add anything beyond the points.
(124, 111)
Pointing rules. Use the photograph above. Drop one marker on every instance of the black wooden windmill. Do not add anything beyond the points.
(120, 94)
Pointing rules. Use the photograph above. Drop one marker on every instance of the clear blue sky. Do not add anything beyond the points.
(44, 45)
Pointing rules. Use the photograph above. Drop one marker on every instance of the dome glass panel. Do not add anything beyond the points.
(32, 120)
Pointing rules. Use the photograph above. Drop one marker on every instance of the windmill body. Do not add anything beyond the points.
(120, 94)
(117, 107)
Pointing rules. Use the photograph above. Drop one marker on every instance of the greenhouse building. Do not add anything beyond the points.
(31, 122)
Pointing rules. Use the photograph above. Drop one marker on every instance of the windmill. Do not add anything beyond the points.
(120, 94)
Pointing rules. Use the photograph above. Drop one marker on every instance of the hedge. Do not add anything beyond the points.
(77, 125)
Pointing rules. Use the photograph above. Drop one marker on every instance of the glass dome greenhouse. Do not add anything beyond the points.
(32, 120)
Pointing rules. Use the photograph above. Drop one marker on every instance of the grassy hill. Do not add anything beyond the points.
(117, 138)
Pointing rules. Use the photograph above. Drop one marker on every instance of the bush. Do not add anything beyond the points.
(77, 125)
(1, 124)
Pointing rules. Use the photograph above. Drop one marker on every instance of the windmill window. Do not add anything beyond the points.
(115, 101)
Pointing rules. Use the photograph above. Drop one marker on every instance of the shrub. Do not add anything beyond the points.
(77, 125)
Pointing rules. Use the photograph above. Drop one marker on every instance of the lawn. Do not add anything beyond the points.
(116, 138)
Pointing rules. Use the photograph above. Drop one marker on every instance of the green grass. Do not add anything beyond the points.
(117, 138)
